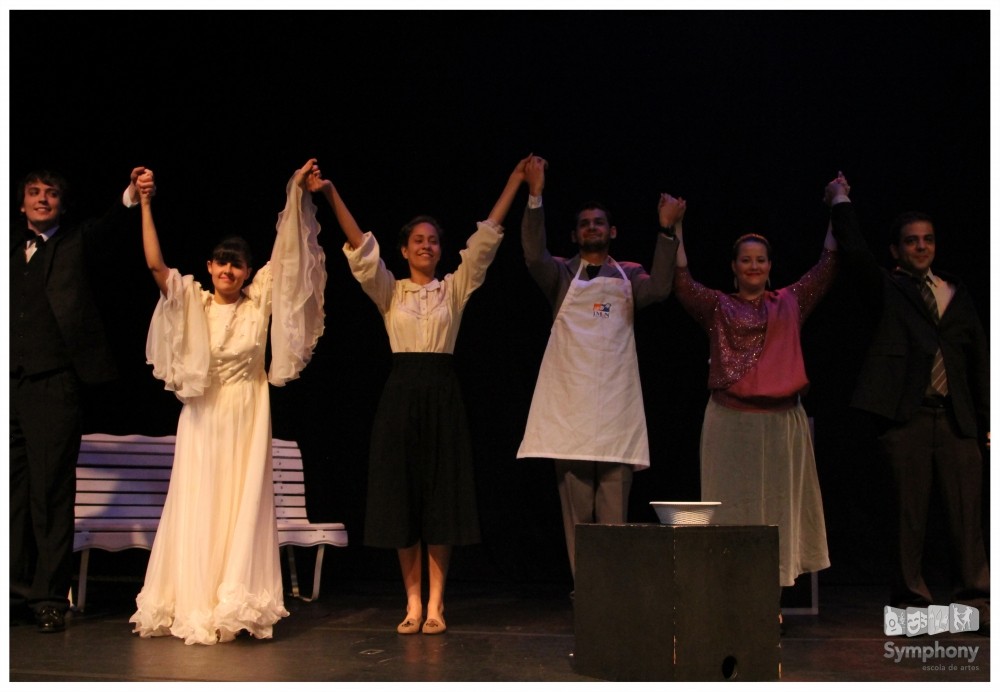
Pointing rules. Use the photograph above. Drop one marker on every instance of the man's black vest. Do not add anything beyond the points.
(36, 346)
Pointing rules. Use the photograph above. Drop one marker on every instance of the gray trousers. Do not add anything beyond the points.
(591, 492)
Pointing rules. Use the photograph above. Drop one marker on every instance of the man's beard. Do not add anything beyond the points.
(595, 245)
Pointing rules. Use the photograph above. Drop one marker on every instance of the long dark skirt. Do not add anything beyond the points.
(420, 475)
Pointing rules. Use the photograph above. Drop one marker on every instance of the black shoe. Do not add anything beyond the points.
(50, 619)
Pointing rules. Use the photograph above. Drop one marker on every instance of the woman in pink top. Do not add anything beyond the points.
(756, 449)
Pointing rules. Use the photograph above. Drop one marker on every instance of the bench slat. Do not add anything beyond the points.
(310, 536)
(115, 499)
(288, 476)
(126, 461)
(114, 541)
(121, 524)
(124, 486)
(129, 448)
(121, 473)
(108, 511)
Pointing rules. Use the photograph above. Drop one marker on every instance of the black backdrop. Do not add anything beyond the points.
(745, 114)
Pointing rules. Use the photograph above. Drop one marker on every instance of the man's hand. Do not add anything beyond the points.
(671, 209)
(134, 189)
(837, 187)
(145, 184)
(534, 174)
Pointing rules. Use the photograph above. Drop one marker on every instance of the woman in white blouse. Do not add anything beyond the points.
(420, 482)
(214, 568)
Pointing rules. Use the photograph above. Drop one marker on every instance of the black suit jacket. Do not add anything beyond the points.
(69, 257)
(897, 366)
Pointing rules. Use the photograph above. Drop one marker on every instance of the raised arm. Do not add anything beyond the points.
(502, 206)
(696, 299)
(816, 282)
(671, 210)
(543, 268)
(836, 192)
(656, 286)
(353, 232)
(150, 240)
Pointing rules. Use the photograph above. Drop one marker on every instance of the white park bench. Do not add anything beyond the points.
(121, 484)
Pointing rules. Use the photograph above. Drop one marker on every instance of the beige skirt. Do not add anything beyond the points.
(761, 466)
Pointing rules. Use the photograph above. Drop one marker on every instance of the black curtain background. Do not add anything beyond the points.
(746, 114)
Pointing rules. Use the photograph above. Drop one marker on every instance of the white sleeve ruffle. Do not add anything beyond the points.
(366, 264)
(177, 345)
(478, 254)
(298, 268)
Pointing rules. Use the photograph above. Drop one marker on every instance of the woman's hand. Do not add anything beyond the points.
(303, 175)
(671, 210)
(837, 187)
(313, 180)
(534, 174)
(146, 186)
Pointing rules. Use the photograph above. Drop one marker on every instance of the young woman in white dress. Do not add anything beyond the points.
(214, 568)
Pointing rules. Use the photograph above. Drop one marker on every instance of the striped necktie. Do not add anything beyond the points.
(939, 378)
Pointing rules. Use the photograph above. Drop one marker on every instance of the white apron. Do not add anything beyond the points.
(588, 402)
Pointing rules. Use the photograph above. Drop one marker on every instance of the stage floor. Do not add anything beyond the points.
(495, 634)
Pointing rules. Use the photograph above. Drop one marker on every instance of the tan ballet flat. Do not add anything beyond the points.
(434, 626)
(409, 626)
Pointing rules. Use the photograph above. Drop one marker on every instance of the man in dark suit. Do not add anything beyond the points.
(925, 378)
(57, 345)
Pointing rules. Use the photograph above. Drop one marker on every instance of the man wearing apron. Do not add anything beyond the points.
(587, 412)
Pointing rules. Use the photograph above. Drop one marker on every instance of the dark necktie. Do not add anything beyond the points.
(593, 270)
(939, 378)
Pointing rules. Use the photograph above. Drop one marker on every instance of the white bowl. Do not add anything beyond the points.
(685, 512)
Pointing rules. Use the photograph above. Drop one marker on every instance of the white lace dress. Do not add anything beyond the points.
(214, 567)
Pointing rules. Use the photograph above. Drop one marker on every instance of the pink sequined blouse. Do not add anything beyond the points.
(755, 348)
